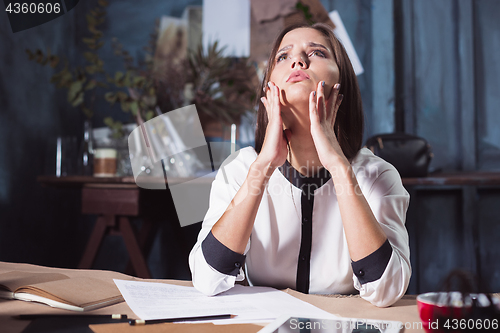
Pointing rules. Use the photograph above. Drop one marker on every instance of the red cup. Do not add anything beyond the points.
(436, 307)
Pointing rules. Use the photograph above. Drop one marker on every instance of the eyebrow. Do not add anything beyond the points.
(288, 47)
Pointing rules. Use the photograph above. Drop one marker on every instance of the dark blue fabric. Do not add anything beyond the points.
(372, 267)
(223, 259)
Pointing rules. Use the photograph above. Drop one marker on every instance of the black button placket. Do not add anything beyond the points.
(308, 185)
(304, 263)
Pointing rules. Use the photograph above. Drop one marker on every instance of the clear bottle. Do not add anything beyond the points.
(86, 154)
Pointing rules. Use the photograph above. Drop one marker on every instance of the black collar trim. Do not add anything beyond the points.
(299, 180)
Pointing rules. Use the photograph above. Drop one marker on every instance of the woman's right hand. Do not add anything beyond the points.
(234, 227)
(274, 149)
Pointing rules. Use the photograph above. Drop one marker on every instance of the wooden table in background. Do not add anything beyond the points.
(456, 178)
(115, 200)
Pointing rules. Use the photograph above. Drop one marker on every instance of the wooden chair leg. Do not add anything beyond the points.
(95, 240)
(133, 248)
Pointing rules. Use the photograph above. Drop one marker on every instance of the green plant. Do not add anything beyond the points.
(137, 91)
(81, 81)
(222, 88)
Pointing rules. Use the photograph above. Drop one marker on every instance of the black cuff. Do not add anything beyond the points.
(372, 267)
(220, 257)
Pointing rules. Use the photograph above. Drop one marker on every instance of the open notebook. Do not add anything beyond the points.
(59, 290)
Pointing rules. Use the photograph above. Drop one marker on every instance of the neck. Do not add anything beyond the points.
(304, 157)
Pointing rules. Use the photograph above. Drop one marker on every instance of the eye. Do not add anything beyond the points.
(317, 53)
(282, 56)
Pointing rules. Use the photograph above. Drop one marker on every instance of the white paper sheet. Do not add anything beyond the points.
(341, 34)
(276, 302)
(150, 300)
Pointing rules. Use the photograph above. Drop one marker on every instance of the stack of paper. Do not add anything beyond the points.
(150, 300)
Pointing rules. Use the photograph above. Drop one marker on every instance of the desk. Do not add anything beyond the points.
(115, 200)
(405, 310)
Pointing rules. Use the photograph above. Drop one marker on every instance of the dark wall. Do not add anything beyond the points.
(487, 83)
(430, 64)
(446, 83)
(32, 113)
(43, 225)
(450, 78)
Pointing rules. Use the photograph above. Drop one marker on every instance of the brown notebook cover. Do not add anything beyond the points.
(59, 290)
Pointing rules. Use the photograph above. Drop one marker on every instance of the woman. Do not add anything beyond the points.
(307, 208)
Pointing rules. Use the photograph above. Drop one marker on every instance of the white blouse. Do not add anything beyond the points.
(276, 244)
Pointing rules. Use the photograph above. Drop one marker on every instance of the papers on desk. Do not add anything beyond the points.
(151, 300)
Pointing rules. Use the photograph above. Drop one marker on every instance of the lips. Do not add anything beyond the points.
(297, 76)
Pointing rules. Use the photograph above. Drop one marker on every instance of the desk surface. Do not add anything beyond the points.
(405, 310)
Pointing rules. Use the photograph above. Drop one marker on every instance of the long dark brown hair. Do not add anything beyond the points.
(349, 122)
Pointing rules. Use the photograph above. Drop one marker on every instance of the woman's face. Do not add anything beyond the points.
(304, 58)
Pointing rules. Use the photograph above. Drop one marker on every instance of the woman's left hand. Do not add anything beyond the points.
(322, 116)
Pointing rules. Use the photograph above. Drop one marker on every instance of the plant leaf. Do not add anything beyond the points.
(91, 57)
(122, 96)
(91, 69)
(134, 108)
(88, 40)
(118, 79)
(74, 91)
(39, 56)
(149, 115)
(125, 106)
(91, 85)
(110, 97)
(53, 61)
(86, 111)
(78, 99)
(108, 121)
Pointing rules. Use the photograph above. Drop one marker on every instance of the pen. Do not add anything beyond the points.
(171, 320)
(36, 316)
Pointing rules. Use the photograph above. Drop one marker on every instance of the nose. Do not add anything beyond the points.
(298, 61)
